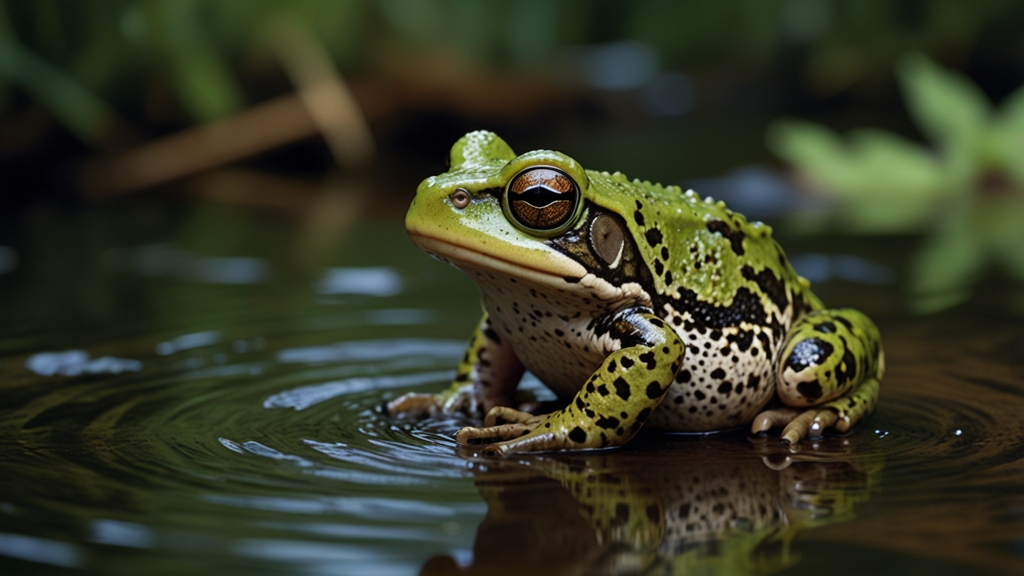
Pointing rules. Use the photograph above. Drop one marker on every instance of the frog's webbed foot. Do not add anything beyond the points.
(501, 424)
(840, 414)
(798, 425)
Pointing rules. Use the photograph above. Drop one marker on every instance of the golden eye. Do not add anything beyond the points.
(542, 200)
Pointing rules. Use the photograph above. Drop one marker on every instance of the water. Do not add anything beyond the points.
(174, 407)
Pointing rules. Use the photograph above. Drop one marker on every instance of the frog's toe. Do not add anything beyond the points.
(799, 424)
(803, 426)
(492, 434)
(500, 415)
(774, 418)
(412, 405)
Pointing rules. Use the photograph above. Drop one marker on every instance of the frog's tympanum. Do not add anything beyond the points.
(638, 303)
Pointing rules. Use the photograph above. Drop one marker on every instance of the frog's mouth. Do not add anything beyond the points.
(544, 268)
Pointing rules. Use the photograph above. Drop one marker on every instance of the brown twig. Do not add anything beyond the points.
(274, 123)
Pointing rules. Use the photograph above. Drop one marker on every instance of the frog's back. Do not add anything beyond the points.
(724, 285)
(699, 249)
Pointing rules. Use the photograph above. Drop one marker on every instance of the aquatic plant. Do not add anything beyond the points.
(964, 192)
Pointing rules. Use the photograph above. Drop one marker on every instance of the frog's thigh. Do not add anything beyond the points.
(616, 400)
(487, 376)
(831, 359)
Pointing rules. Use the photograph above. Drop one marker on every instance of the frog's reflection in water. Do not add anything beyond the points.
(688, 506)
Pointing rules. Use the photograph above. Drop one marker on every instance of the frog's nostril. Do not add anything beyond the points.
(460, 198)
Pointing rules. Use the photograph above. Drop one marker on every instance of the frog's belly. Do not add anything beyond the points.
(558, 353)
(725, 380)
(720, 384)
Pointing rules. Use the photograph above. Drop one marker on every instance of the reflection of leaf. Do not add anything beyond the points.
(948, 107)
(946, 265)
(887, 183)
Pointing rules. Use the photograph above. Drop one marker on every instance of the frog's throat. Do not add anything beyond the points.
(563, 273)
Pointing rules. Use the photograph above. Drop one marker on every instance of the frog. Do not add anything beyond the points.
(636, 304)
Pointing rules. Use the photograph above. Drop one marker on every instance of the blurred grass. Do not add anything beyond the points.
(123, 74)
(84, 59)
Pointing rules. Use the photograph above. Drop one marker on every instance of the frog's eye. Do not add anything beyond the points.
(542, 200)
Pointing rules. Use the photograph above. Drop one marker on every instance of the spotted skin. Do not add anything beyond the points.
(826, 354)
(738, 326)
(616, 399)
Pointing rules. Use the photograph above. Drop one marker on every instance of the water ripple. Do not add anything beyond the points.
(283, 454)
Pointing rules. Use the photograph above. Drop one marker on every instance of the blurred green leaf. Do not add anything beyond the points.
(81, 111)
(205, 83)
(948, 107)
(887, 184)
(1009, 134)
(944, 269)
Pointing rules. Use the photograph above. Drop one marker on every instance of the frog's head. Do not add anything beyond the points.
(494, 210)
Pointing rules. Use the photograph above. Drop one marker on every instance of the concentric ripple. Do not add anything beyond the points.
(231, 451)
(256, 455)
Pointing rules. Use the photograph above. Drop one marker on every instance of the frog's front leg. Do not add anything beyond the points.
(831, 361)
(611, 405)
(486, 377)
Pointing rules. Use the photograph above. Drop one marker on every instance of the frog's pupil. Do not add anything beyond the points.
(540, 196)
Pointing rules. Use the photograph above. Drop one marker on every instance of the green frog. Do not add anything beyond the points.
(637, 303)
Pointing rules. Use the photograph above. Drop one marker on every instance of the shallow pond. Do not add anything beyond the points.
(193, 388)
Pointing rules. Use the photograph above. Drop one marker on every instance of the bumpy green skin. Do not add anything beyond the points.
(695, 324)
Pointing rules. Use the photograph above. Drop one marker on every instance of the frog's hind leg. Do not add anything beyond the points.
(828, 375)
(486, 377)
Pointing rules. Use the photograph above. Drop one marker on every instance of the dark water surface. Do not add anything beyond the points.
(166, 409)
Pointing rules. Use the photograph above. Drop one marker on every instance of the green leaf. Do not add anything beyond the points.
(946, 266)
(87, 116)
(804, 144)
(887, 184)
(1009, 134)
(205, 84)
(948, 107)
